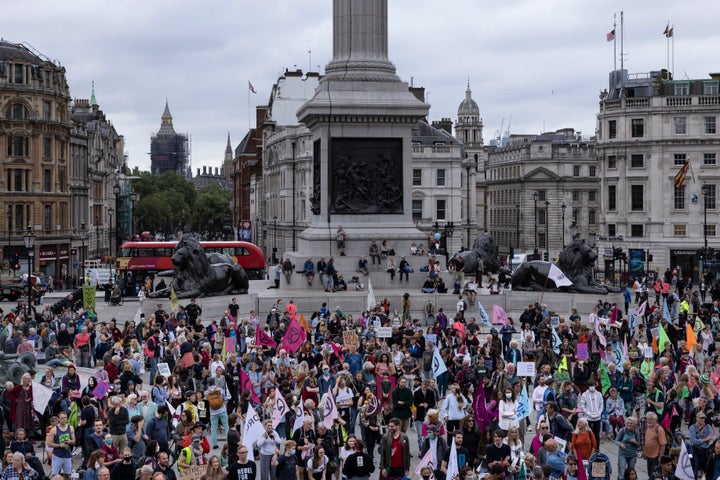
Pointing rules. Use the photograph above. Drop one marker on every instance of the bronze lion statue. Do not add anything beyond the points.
(484, 246)
(576, 261)
(200, 274)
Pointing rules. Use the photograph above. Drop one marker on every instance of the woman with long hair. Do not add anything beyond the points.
(453, 409)
(95, 461)
(517, 452)
(583, 439)
(267, 379)
(507, 410)
(471, 438)
(174, 391)
(214, 471)
(318, 463)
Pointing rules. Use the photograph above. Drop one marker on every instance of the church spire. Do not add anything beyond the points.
(93, 100)
(228, 150)
(166, 124)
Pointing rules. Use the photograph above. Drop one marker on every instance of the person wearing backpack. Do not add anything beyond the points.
(628, 442)
(655, 442)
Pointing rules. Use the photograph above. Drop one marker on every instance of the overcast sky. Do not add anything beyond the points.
(541, 63)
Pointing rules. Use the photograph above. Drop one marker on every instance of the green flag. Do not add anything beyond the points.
(604, 379)
(89, 296)
(662, 338)
(521, 474)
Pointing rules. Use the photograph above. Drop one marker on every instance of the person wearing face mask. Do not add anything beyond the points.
(124, 469)
(581, 374)
(285, 464)
(435, 443)
(191, 455)
(326, 381)
(110, 451)
(508, 410)
(592, 404)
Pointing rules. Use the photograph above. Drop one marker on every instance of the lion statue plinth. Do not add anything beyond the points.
(200, 274)
(576, 261)
(484, 246)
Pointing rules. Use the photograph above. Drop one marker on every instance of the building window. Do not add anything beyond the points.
(542, 216)
(20, 217)
(440, 177)
(679, 230)
(17, 111)
(612, 128)
(47, 180)
(679, 159)
(575, 215)
(48, 217)
(592, 196)
(417, 177)
(709, 159)
(679, 203)
(682, 88)
(61, 180)
(18, 146)
(18, 180)
(638, 127)
(592, 216)
(710, 230)
(636, 230)
(710, 125)
(592, 171)
(47, 147)
(710, 199)
(19, 73)
(417, 209)
(440, 209)
(611, 162)
(636, 198)
(612, 197)
(710, 88)
(611, 229)
(542, 195)
(576, 170)
(637, 160)
(576, 195)
(47, 110)
(680, 125)
(541, 240)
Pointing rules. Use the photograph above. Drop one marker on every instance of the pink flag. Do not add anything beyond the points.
(614, 315)
(280, 408)
(482, 416)
(581, 474)
(337, 351)
(640, 312)
(427, 461)
(246, 384)
(294, 337)
(263, 339)
(329, 409)
(499, 315)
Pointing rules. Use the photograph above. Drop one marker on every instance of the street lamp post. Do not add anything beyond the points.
(705, 239)
(536, 195)
(563, 207)
(294, 202)
(9, 225)
(83, 236)
(29, 239)
(111, 211)
(131, 214)
(119, 208)
(97, 236)
(547, 230)
(274, 253)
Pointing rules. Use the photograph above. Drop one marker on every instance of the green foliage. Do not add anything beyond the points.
(211, 211)
(165, 201)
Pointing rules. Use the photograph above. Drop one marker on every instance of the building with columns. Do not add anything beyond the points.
(648, 126)
(542, 190)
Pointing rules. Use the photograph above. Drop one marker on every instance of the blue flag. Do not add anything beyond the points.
(666, 312)
(523, 409)
(633, 321)
(556, 342)
(484, 316)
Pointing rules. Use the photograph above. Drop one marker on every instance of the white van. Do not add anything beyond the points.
(517, 260)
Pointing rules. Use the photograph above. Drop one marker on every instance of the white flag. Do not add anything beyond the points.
(684, 470)
(427, 461)
(253, 431)
(557, 276)
(370, 296)
(329, 409)
(452, 468)
(280, 408)
(299, 417)
(438, 364)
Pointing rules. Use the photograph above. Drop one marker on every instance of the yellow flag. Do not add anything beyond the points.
(173, 300)
(563, 364)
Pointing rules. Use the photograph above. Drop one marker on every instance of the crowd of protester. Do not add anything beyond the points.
(601, 380)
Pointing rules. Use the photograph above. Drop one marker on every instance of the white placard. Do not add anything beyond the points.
(164, 369)
(41, 397)
(525, 369)
(384, 332)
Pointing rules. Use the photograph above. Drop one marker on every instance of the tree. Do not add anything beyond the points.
(165, 201)
(211, 211)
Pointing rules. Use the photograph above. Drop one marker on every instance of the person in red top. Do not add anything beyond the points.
(394, 452)
(82, 347)
(291, 310)
(197, 429)
(112, 369)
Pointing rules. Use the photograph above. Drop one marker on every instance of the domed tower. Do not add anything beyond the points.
(468, 128)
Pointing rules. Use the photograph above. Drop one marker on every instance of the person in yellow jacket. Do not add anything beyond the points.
(191, 455)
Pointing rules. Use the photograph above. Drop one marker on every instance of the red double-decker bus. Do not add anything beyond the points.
(139, 260)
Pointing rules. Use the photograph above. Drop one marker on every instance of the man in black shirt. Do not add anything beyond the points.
(234, 308)
(358, 465)
(164, 466)
(462, 453)
(423, 399)
(243, 469)
(497, 453)
(193, 311)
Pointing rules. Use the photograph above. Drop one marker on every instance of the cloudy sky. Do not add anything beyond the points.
(536, 65)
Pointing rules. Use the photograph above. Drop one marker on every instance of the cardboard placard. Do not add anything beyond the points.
(164, 369)
(597, 469)
(582, 351)
(525, 369)
(384, 332)
(192, 473)
(350, 338)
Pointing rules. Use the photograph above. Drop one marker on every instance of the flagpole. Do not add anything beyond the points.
(614, 43)
(672, 36)
(248, 107)
(622, 60)
(667, 47)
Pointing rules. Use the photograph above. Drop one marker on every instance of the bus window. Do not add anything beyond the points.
(240, 252)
